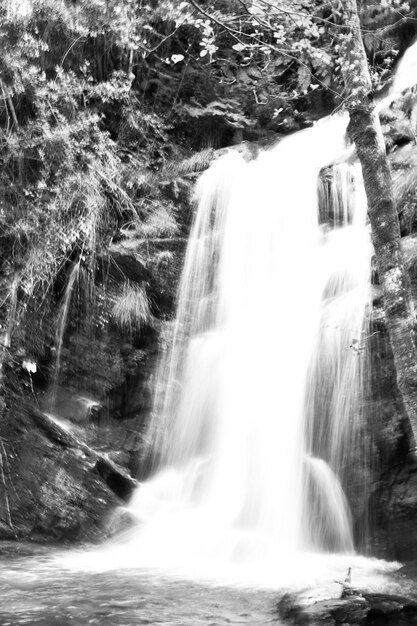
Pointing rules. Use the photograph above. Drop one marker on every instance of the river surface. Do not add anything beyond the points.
(36, 590)
(49, 586)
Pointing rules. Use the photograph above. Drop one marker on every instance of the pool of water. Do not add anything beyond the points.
(35, 589)
(44, 586)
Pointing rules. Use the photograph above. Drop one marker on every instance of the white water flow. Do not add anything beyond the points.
(256, 394)
(257, 429)
(404, 78)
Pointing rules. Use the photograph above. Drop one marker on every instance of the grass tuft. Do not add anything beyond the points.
(131, 310)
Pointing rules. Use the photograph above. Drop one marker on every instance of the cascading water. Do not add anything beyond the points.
(255, 398)
(259, 394)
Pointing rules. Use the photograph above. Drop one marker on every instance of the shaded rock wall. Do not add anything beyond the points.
(392, 505)
(50, 491)
(89, 366)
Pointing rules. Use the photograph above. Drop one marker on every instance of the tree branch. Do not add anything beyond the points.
(365, 129)
(233, 32)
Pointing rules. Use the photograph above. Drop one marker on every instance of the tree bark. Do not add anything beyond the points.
(365, 130)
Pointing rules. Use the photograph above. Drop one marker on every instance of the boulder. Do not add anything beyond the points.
(53, 486)
(355, 607)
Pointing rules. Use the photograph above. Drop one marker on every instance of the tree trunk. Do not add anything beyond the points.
(365, 130)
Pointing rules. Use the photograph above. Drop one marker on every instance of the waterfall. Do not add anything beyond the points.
(259, 389)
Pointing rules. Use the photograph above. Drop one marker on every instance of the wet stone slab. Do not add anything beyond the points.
(354, 608)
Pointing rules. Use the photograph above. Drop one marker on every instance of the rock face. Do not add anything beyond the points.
(49, 489)
(70, 450)
(79, 389)
(392, 500)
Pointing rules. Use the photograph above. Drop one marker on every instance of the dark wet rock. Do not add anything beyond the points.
(114, 476)
(394, 506)
(376, 295)
(54, 486)
(403, 163)
(354, 608)
(396, 125)
(164, 259)
(122, 262)
(392, 488)
(7, 532)
(409, 249)
(55, 431)
(72, 407)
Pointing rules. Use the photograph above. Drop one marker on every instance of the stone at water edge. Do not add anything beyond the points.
(355, 607)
